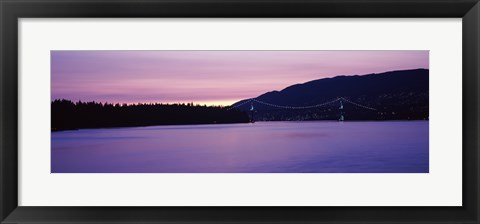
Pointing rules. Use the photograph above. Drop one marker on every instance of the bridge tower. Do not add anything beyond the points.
(252, 110)
(342, 118)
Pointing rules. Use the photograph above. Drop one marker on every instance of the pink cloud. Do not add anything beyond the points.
(208, 76)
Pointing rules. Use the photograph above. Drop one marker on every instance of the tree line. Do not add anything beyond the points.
(68, 115)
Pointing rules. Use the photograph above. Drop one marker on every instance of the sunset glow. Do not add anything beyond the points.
(207, 77)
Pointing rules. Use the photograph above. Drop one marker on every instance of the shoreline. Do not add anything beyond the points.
(117, 127)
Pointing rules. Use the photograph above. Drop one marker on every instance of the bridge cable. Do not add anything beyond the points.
(300, 107)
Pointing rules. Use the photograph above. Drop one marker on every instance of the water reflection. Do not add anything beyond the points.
(263, 147)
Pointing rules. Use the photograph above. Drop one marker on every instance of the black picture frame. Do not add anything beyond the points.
(12, 10)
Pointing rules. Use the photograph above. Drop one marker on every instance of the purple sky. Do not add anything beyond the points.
(207, 77)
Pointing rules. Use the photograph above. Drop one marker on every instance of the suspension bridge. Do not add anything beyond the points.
(340, 100)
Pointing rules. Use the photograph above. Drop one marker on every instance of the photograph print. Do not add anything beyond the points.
(116, 111)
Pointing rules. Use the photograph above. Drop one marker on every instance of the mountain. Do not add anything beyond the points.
(393, 95)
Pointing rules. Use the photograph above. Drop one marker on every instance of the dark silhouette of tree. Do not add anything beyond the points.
(67, 115)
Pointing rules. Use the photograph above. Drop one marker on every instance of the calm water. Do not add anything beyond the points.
(263, 147)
